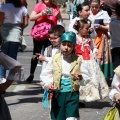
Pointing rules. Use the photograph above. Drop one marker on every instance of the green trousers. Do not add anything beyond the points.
(64, 105)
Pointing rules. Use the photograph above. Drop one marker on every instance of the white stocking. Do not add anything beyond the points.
(73, 118)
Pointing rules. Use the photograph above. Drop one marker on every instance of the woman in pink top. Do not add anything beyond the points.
(41, 12)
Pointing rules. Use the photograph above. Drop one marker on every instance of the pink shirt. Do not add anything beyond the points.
(41, 6)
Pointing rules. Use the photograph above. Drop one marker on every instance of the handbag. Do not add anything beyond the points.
(96, 87)
(112, 114)
(41, 27)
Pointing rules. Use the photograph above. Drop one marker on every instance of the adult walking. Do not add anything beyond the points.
(45, 14)
(105, 7)
(112, 4)
(15, 20)
(70, 7)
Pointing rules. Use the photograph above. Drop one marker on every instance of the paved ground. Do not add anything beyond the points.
(24, 100)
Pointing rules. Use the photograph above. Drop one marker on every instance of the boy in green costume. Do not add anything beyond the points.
(59, 78)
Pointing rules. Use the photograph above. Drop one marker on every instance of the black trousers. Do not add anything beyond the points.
(38, 47)
(115, 57)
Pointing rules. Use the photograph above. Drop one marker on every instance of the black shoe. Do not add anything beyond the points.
(30, 78)
(81, 105)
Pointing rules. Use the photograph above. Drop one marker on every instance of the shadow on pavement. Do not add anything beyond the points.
(98, 104)
(33, 94)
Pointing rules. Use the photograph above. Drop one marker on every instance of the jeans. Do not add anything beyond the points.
(10, 49)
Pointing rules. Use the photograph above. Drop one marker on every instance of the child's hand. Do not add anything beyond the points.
(94, 56)
(117, 98)
(40, 57)
(50, 87)
(77, 76)
(41, 83)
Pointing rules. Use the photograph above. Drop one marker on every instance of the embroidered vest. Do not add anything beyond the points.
(117, 70)
(49, 51)
(57, 71)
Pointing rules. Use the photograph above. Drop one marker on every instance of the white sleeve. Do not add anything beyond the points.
(72, 22)
(48, 58)
(115, 87)
(25, 11)
(107, 18)
(46, 75)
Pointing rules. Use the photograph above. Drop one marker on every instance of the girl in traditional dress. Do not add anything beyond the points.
(100, 19)
(93, 78)
(84, 44)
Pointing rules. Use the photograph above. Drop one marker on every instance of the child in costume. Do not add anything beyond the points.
(114, 94)
(59, 78)
(93, 86)
(55, 33)
(85, 47)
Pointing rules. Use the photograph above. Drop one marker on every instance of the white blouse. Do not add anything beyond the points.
(101, 15)
(13, 14)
